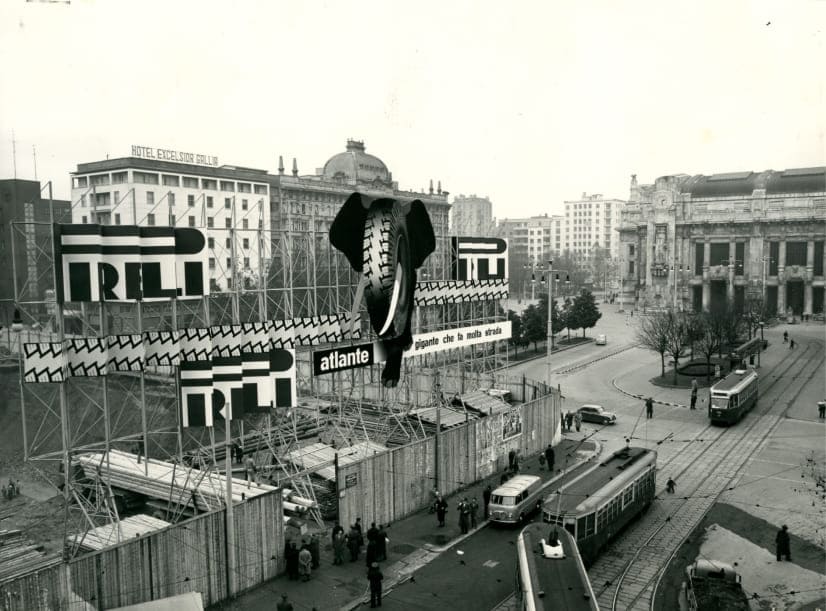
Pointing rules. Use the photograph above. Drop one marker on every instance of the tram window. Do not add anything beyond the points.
(590, 523)
(602, 516)
(734, 399)
(571, 528)
(627, 496)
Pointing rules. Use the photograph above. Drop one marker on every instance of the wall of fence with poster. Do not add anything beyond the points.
(391, 485)
(190, 556)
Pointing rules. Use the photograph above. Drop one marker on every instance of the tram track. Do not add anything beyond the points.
(704, 472)
(580, 366)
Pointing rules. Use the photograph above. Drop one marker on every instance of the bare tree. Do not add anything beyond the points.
(652, 333)
(754, 312)
(676, 337)
(708, 338)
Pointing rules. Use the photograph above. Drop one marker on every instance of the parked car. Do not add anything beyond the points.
(601, 340)
(597, 413)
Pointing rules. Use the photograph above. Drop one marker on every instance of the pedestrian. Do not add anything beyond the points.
(791, 344)
(371, 552)
(578, 421)
(694, 393)
(357, 526)
(314, 551)
(669, 486)
(782, 542)
(505, 477)
(541, 461)
(821, 409)
(549, 457)
(372, 532)
(305, 563)
(515, 466)
(474, 510)
(511, 457)
(374, 576)
(339, 543)
(338, 528)
(284, 605)
(441, 510)
(569, 420)
(354, 543)
(234, 452)
(250, 470)
(562, 420)
(486, 494)
(138, 450)
(649, 407)
(785, 336)
(464, 516)
(381, 545)
(291, 556)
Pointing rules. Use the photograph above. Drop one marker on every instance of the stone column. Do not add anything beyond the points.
(781, 279)
(706, 281)
(807, 281)
(732, 249)
(649, 254)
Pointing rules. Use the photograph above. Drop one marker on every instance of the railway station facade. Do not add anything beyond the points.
(694, 242)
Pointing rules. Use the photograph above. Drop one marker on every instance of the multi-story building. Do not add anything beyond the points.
(147, 190)
(22, 254)
(591, 221)
(531, 242)
(700, 240)
(471, 216)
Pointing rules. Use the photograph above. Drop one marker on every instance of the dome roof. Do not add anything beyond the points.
(356, 165)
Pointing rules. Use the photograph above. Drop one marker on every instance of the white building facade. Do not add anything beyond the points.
(589, 221)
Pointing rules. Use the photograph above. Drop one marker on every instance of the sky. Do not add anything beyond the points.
(528, 103)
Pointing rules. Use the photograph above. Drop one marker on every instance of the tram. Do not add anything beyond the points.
(733, 396)
(595, 506)
(550, 571)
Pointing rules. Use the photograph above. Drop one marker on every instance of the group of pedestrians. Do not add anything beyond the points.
(786, 340)
(302, 561)
(571, 419)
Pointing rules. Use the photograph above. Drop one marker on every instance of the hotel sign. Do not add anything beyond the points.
(148, 152)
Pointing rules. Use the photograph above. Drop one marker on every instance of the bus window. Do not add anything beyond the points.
(719, 402)
(505, 501)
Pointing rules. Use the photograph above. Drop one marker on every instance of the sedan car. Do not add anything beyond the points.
(601, 340)
(597, 413)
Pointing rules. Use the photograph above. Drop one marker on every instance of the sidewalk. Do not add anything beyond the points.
(414, 541)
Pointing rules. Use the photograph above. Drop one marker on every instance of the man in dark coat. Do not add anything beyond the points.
(374, 576)
(649, 407)
(338, 528)
(511, 457)
(694, 393)
(371, 552)
(464, 516)
(291, 556)
(782, 542)
(488, 491)
(549, 457)
(381, 545)
(372, 533)
(441, 510)
(354, 543)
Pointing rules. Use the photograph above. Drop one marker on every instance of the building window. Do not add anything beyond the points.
(245, 224)
(83, 220)
(212, 263)
(80, 182)
(171, 181)
(228, 223)
(210, 221)
(103, 199)
(150, 219)
(246, 262)
(796, 253)
(244, 187)
(228, 243)
(150, 198)
(118, 178)
(261, 189)
(190, 201)
(171, 197)
(208, 184)
(630, 267)
(211, 242)
(100, 179)
(719, 254)
(227, 185)
(243, 204)
(117, 218)
(145, 178)
(209, 201)
(818, 268)
(192, 221)
(229, 263)
(774, 257)
(190, 182)
(227, 203)
(739, 256)
(246, 243)
(171, 220)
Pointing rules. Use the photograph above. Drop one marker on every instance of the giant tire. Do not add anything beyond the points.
(387, 268)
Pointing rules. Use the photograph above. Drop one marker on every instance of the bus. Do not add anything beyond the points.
(550, 572)
(733, 396)
(595, 506)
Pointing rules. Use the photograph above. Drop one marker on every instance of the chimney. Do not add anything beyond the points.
(439, 188)
(281, 165)
(431, 186)
(295, 167)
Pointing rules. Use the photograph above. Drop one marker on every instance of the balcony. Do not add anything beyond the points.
(797, 272)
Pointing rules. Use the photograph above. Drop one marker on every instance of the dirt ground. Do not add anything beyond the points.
(758, 532)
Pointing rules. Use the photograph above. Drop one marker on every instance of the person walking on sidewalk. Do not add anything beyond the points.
(782, 543)
(569, 420)
(354, 543)
(694, 393)
(372, 533)
(339, 543)
(669, 486)
(381, 545)
(375, 577)
(441, 510)
(338, 528)
(371, 552)
(474, 510)
(577, 421)
(649, 407)
(464, 516)
(549, 457)
(511, 458)
(486, 494)
(284, 604)
(821, 409)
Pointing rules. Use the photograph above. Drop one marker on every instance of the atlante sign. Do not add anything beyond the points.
(129, 263)
(339, 359)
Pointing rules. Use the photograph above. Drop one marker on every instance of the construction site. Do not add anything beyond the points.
(112, 445)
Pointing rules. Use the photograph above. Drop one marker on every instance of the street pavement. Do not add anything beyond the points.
(415, 542)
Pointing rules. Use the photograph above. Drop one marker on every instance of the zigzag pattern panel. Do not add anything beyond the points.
(86, 356)
(195, 344)
(226, 340)
(459, 291)
(126, 353)
(43, 362)
(160, 348)
(256, 337)
(312, 331)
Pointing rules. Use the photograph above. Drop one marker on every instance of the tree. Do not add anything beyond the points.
(517, 339)
(754, 312)
(652, 333)
(676, 337)
(600, 261)
(708, 338)
(557, 323)
(569, 317)
(533, 329)
(587, 312)
(726, 323)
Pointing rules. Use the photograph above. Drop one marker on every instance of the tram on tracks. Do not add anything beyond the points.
(550, 571)
(733, 397)
(595, 506)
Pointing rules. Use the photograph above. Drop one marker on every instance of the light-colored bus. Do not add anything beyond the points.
(516, 499)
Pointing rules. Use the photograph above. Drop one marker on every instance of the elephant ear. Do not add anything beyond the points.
(420, 230)
(347, 230)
